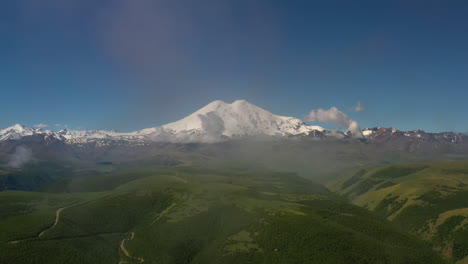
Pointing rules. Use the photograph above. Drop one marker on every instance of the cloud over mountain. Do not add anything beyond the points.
(21, 156)
(334, 115)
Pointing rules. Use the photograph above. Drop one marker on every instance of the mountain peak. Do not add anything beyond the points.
(17, 127)
(15, 132)
(240, 102)
(217, 102)
(239, 118)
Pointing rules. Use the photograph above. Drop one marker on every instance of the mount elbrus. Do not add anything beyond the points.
(220, 121)
(219, 127)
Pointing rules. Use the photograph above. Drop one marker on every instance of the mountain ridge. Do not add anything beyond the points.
(218, 121)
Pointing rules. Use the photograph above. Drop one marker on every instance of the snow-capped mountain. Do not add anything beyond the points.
(18, 131)
(219, 121)
(72, 134)
(240, 118)
(382, 134)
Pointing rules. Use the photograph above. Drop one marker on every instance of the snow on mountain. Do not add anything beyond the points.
(240, 118)
(15, 132)
(366, 132)
(18, 131)
(71, 134)
(381, 134)
(218, 121)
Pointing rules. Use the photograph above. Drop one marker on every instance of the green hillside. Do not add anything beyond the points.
(41, 173)
(428, 199)
(193, 215)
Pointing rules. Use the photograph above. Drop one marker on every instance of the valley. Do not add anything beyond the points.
(193, 215)
(428, 199)
(233, 183)
(233, 132)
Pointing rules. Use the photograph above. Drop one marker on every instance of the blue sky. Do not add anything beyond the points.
(127, 65)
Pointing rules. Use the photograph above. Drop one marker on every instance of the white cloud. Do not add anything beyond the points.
(21, 156)
(58, 125)
(41, 125)
(359, 107)
(334, 115)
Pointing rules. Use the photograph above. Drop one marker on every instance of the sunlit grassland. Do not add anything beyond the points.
(195, 215)
(429, 199)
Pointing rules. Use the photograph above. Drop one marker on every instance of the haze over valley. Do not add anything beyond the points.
(233, 131)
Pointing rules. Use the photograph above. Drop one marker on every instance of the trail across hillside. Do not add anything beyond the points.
(125, 251)
(163, 213)
(179, 177)
(122, 244)
(57, 217)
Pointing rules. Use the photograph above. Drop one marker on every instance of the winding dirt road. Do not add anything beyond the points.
(57, 217)
(125, 251)
(122, 244)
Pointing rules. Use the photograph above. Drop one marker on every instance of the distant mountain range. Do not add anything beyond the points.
(219, 121)
(215, 122)
(236, 134)
(224, 124)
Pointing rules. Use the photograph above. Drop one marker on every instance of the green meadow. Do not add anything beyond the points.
(428, 199)
(195, 215)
